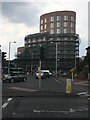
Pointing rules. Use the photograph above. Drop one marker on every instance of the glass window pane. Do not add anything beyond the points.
(41, 21)
(45, 20)
(72, 18)
(72, 25)
(72, 31)
(41, 27)
(52, 31)
(58, 31)
(58, 24)
(65, 17)
(52, 18)
(65, 24)
(52, 25)
(58, 18)
(45, 26)
(65, 30)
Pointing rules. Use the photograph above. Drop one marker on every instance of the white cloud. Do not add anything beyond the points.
(13, 32)
(17, 31)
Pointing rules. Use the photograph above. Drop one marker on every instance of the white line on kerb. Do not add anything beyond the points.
(6, 103)
(9, 99)
(82, 93)
(88, 98)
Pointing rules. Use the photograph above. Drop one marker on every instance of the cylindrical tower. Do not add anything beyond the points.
(58, 22)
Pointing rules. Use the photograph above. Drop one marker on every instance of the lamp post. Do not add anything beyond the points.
(75, 59)
(56, 57)
(9, 55)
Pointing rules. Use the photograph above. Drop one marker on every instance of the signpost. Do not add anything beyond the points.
(0, 84)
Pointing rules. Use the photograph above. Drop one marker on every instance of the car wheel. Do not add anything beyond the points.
(12, 80)
(24, 79)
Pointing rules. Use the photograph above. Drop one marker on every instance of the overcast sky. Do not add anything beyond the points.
(21, 17)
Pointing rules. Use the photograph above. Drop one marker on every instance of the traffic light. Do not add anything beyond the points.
(3, 56)
(41, 53)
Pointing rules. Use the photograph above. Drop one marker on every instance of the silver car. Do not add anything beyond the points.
(13, 77)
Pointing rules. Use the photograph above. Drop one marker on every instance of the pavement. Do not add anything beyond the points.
(74, 79)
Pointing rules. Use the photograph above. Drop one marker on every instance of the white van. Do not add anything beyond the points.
(44, 74)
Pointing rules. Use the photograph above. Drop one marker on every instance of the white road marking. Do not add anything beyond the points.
(56, 80)
(6, 103)
(22, 89)
(88, 98)
(14, 114)
(61, 111)
(9, 99)
(82, 93)
(85, 83)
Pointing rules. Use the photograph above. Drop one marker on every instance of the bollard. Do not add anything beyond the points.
(68, 86)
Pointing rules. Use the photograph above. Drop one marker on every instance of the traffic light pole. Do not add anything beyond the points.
(9, 59)
(0, 64)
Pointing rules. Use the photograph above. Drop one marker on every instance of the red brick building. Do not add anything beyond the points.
(58, 22)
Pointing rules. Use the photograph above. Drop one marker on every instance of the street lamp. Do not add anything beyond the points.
(56, 58)
(9, 55)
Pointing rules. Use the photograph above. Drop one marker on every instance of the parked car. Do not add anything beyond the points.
(44, 74)
(13, 77)
(64, 74)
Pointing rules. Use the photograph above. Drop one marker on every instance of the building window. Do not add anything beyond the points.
(65, 17)
(65, 30)
(72, 31)
(41, 27)
(29, 40)
(65, 38)
(58, 38)
(72, 18)
(65, 24)
(41, 21)
(72, 25)
(58, 24)
(58, 18)
(51, 18)
(52, 31)
(45, 31)
(45, 20)
(44, 39)
(39, 40)
(34, 40)
(52, 25)
(45, 26)
(58, 31)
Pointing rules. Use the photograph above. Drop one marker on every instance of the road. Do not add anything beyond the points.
(25, 100)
